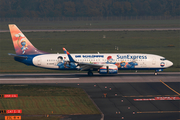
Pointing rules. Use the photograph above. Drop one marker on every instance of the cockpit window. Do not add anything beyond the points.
(162, 58)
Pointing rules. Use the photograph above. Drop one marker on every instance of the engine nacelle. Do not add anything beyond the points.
(108, 69)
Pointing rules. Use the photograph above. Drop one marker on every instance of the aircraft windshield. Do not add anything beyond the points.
(162, 58)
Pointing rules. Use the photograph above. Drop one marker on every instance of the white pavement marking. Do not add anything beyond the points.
(33, 79)
(100, 29)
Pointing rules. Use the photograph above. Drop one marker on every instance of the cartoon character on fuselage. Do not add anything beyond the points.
(60, 62)
(131, 64)
(110, 60)
(71, 65)
(65, 64)
(128, 64)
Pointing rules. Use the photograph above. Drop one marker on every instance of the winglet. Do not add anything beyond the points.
(69, 56)
(65, 51)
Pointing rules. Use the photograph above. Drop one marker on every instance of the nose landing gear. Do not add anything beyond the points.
(155, 73)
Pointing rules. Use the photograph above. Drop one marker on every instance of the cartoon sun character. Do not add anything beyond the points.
(24, 45)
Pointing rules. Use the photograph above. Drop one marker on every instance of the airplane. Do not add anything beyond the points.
(107, 63)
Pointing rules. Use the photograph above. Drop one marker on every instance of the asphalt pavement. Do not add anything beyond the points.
(84, 78)
(125, 96)
(116, 100)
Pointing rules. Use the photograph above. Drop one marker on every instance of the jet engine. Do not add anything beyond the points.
(108, 69)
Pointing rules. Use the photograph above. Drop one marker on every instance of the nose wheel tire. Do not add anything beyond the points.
(155, 73)
(90, 73)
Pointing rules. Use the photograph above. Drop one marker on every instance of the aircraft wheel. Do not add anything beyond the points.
(90, 73)
(155, 73)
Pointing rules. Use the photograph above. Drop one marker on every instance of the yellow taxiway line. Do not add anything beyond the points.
(169, 87)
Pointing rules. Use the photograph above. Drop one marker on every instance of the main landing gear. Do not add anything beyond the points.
(90, 73)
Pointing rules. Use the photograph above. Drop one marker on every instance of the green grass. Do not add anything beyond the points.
(65, 105)
(93, 24)
(153, 42)
(38, 100)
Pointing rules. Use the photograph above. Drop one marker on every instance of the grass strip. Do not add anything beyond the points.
(38, 100)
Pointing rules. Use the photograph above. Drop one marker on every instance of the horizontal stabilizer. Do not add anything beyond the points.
(23, 57)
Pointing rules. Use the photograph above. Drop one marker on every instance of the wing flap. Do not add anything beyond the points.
(87, 66)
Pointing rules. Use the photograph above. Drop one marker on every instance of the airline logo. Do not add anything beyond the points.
(162, 64)
(131, 57)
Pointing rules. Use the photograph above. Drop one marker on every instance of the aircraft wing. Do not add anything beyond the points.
(23, 57)
(87, 66)
(82, 65)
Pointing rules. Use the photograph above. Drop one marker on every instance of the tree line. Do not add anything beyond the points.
(88, 8)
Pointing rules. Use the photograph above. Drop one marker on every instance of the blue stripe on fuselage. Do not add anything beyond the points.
(140, 68)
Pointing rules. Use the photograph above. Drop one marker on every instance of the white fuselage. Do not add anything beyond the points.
(122, 61)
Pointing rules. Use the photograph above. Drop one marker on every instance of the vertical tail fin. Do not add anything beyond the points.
(22, 45)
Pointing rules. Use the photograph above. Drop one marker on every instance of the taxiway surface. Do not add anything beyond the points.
(84, 78)
(116, 100)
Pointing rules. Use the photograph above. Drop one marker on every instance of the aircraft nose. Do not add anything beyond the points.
(170, 63)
